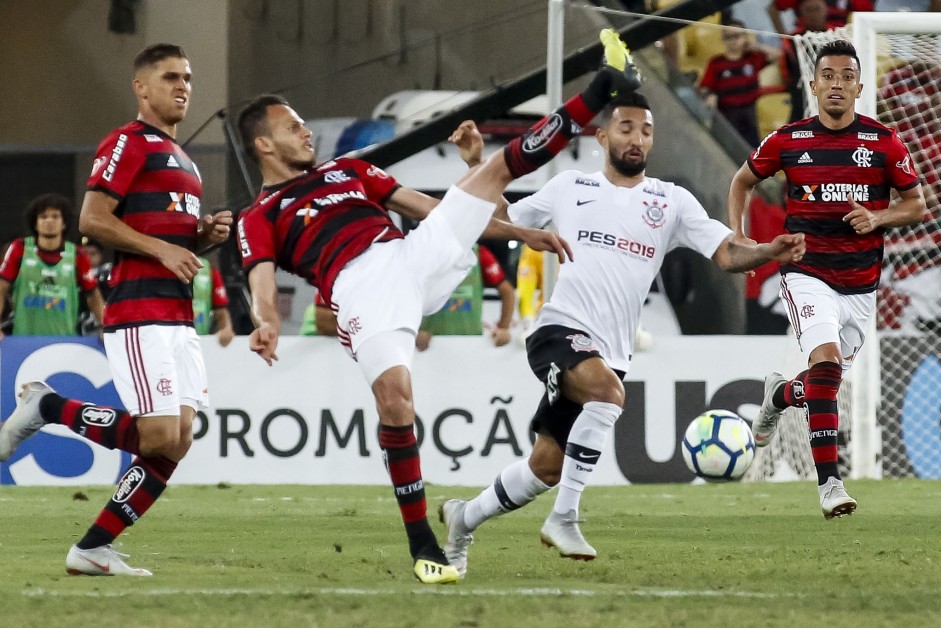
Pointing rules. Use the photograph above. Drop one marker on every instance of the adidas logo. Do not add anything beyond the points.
(172, 162)
(805, 159)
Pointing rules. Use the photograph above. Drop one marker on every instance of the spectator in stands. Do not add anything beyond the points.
(47, 273)
(730, 81)
(462, 315)
(837, 13)
(211, 304)
(813, 14)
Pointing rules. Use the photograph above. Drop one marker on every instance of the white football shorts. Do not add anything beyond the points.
(391, 285)
(157, 369)
(819, 315)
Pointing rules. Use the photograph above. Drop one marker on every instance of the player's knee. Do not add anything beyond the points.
(609, 390)
(394, 403)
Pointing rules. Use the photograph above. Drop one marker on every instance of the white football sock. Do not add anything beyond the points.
(586, 441)
(515, 487)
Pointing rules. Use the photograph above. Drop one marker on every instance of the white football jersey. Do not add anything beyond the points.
(619, 236)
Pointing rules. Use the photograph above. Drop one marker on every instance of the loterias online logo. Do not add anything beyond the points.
(76, 368)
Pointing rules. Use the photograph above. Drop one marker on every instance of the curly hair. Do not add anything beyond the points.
(48, 201)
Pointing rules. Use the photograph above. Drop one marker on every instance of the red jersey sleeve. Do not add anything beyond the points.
(378, 183)
(900, 169)
(256, 238)
(117, 162)
(489, 267)
(220, 298)
(766, 159)
(784, 5)
(10, 268)
(87, 278)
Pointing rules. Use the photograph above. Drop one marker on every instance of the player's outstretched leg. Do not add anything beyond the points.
(515, 487)
(25, 419)
(550, 135)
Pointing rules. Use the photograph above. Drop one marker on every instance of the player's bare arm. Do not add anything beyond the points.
(411, 203)
(213, 229)
(264, 339)
(97, 221)
(743, 184)
(736, 257)
(500, 228)
(907, 212)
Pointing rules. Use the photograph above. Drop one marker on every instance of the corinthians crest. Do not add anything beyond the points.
(654, 215)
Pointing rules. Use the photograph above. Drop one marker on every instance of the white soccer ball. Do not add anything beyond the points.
(718, 445)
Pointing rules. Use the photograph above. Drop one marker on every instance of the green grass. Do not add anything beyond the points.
(669, 555)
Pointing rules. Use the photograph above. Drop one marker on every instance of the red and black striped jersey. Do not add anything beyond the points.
(314, 224)
(158, 189)
(734, 81)
(825, 170)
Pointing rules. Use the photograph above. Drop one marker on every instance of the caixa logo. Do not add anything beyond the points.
(76, 368)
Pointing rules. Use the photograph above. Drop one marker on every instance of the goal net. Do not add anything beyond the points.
(890, 407)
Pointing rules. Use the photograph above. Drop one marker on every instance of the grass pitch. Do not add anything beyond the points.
(669, 555)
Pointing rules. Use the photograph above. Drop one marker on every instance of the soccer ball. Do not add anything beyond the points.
(718, 445)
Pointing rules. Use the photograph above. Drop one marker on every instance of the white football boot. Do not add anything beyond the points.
(562, 532)
(100, 561)
(451, 514)
(767, 421)
(834, 500)
(25, 420)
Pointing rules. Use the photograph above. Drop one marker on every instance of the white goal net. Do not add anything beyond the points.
(890, 407)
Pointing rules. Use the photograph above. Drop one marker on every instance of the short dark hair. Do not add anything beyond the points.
(837, 48)
(43, 202)
(734, 23)
(630, 99)
(156, 53)
(253, 121)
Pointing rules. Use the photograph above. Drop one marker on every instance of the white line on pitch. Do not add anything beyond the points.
(522, 592)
